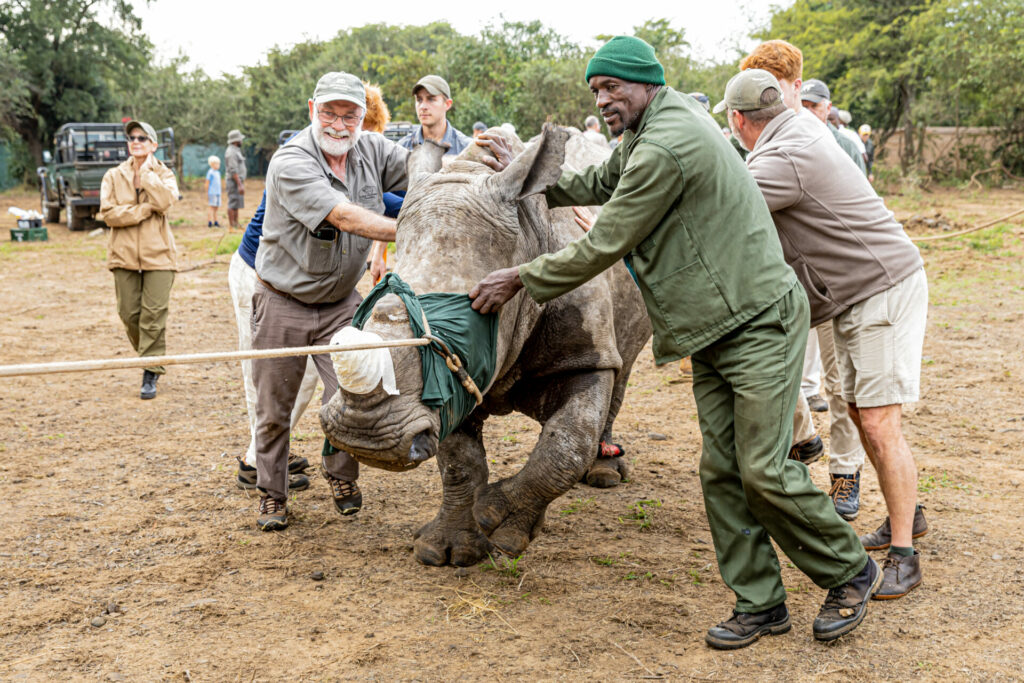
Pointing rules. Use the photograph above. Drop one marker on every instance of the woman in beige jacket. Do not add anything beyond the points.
(134, 200)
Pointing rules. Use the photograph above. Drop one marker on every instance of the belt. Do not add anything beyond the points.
(288, 296)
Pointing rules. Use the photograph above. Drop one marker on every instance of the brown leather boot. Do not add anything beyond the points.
(900, 575)
(881, 538)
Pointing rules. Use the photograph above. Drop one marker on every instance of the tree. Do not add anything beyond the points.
(69, 56)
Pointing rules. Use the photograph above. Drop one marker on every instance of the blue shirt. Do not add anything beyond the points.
(455, 140)
(213, 177)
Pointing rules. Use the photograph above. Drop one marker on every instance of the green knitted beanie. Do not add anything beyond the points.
(628, 58)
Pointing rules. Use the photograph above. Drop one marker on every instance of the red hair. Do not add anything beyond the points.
(779, 58)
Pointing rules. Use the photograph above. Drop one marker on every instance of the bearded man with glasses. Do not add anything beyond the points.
(324, 210)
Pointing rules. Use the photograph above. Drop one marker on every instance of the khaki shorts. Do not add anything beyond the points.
(879, 343)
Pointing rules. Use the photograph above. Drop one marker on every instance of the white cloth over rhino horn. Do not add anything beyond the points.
(359, 372)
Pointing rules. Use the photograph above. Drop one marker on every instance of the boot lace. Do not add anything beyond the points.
(341, 488)
(842, 489)
(270, 506)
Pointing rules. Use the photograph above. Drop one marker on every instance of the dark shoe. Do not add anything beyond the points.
(348, 499)
(743, 629)
(845, 494)
(246, 476)
(900, 575)
(209, 224)
(297, 464)
(807, 452)
(148, 385)
(817, 404)
(273, 515)
(846, 605)
(216, 224)
(881, 538)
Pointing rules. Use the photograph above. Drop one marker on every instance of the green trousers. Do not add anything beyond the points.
(745, 385)
(142, 299)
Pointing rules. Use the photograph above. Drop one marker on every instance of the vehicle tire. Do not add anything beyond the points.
(52, 213)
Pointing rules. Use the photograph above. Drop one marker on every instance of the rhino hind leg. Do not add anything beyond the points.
(453, 536)
(572, 409)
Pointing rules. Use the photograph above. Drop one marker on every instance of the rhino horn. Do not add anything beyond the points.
(424, 161)
(535, 170)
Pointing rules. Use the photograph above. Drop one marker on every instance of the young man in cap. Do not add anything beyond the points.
(862, 273)
(679, 203)
(784, 61)
(433, 100)
(322, 216)
(816, 98)
(234, 171)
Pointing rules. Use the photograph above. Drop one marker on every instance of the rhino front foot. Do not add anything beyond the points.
(509, 527)
(607, 472)
(440, 542)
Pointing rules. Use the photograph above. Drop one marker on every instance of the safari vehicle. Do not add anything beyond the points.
(82, 153)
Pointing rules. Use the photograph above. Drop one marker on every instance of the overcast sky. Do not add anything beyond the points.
(224, 36)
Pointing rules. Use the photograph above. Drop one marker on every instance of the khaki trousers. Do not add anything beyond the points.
(278, 321)
(846, 452)
(142, 300)
(746, 386)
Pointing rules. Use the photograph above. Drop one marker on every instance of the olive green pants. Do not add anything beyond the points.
(745, 385)
(142, 300)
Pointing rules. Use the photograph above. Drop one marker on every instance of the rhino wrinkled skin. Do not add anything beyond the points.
(564, 364)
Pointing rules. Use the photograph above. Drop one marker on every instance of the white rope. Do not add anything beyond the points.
(212, 357)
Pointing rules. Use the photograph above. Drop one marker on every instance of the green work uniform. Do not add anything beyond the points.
(680, 204)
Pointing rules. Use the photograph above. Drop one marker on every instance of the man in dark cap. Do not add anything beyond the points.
(682, 208)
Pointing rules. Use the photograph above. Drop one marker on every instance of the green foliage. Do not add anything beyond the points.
(642, 513)
(507, 567)
(70, 55)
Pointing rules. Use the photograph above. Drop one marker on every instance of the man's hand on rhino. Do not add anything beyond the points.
(378, 261)
(584, 217)
(493, 291)
(499, 148)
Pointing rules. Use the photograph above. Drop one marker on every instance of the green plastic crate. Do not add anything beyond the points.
(29, 235)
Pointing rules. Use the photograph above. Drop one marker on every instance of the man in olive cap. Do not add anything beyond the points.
(681, 207)
(433, 100)
(324, 210)
(817, 99)
(234, 171)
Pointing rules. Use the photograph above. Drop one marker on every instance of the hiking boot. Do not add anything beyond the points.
(148, 385)
(846, 605)
(845, 494)
(273, 514)
(348, 499)
(246, 476)
(297, 464)
(900, 575)
(807, 452)
(817, 404)
(742, 629)
(881, 538)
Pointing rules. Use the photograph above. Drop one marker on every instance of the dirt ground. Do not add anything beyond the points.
(110, 499)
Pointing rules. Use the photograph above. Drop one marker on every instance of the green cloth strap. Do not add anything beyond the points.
(472, 336)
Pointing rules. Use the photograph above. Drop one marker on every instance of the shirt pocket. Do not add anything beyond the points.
(689, 300)
(320, 256)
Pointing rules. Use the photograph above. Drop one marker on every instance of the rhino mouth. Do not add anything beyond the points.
(404, 449)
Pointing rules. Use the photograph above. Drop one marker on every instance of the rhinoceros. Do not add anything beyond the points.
(564, 364)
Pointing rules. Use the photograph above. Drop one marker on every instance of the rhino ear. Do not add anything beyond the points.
(424, 161)
(535, 170)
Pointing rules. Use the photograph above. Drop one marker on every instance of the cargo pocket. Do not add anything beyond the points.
(321, 256)
(689, 300)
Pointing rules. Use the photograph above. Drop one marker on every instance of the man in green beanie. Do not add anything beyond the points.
(681, 207)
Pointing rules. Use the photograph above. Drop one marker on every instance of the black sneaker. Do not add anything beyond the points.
(807, 452)
(148, 385)
(817, 404)
(348, 499)
(273, 515)
(742, 629)
(246, 476)
(846, 605)
(845, 494)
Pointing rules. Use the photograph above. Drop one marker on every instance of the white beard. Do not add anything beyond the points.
(335, 146)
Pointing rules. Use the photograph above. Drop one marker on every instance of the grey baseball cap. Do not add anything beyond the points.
(235, 135)
(743, 91)
(815, 91)
(148, 129)
(338, 85)
(435, 85)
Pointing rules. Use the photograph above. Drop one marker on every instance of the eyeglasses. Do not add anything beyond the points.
(138, 138)
(329, 117)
